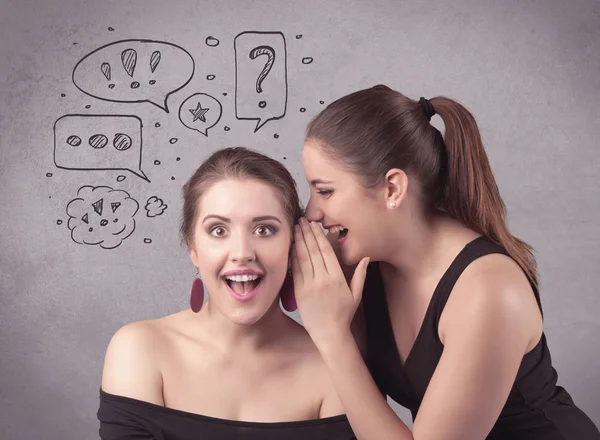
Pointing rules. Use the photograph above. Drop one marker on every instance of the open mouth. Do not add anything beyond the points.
(340, 231)
(243, 285)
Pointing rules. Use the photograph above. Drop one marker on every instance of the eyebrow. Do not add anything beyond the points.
(255, 219)
(317, 181)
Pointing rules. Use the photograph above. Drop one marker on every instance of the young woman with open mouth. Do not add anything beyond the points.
(235, 366)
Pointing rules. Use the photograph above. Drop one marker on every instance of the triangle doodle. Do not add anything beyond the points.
(98, 206)
(114, 206)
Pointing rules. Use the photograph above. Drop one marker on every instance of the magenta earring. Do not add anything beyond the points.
(286, 294)
(197, 294)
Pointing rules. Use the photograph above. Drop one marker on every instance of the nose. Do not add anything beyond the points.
(313, 213)
(242, 249)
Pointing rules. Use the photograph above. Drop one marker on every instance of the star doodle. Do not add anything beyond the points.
(199, 112)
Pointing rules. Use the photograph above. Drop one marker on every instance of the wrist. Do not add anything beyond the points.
(344, 340)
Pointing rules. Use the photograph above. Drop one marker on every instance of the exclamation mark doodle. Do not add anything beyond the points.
(129, 60)
(106, 71)
(154, 60)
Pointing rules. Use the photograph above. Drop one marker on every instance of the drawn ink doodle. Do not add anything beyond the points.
(135, 71)
(101, 216)
(261, 88)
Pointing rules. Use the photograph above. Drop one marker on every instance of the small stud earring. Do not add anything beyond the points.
(392, 205)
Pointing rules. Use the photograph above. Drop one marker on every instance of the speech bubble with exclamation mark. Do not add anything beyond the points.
(135, 71)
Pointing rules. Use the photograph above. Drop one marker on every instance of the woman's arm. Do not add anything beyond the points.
(493, 321)
(131, 367)
(482, 353)
(483, 349)
(358, 321)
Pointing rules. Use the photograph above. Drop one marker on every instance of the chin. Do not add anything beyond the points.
(246, 317)
(351, 259)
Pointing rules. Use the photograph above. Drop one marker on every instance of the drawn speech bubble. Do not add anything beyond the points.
(134, 71)
(99, 142)
(101, 216)
(200, 112)
(260, 76)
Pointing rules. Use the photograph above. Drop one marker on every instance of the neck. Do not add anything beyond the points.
(416, 250)
(233, 337)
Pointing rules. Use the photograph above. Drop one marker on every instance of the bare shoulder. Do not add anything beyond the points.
(493, 289)
(132, 362)
(490, 321)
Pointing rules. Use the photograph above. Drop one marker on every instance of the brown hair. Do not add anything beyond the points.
(238, 163)
(372, 131)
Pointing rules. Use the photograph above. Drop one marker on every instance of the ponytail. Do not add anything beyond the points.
(471, 194)
(371, 131)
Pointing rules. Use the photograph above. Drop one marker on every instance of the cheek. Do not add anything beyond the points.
(210, 254)
(273, 255)
(336, 208)
(275, 251)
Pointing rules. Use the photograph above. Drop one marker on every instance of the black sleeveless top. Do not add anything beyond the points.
(536, 407)
(124, 418)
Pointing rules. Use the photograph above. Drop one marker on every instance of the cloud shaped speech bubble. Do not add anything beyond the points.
(134, 71)
(200, 112)
(155, 207)
(101, 216)
(99, 142)
(260, 76)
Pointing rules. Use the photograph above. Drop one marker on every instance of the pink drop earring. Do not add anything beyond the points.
(197, 293)
(286, 294)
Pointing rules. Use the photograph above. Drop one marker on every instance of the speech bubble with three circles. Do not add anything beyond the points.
(99, 142)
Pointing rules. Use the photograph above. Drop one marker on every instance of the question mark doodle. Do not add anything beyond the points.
(256, 52)
(251, 76)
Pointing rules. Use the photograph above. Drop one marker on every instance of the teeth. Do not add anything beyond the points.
(242, 278)
(336, 229)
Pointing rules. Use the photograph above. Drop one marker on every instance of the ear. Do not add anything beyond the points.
(194, 257)
(395, 186)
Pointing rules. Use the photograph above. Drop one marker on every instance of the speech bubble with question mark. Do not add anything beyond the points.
(134, 71)
(261, 88)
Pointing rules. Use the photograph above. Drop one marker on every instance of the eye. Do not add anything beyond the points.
(265, 231)
(218, 231)
(325, 192)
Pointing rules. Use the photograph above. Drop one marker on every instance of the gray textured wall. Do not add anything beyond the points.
(529, 71)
